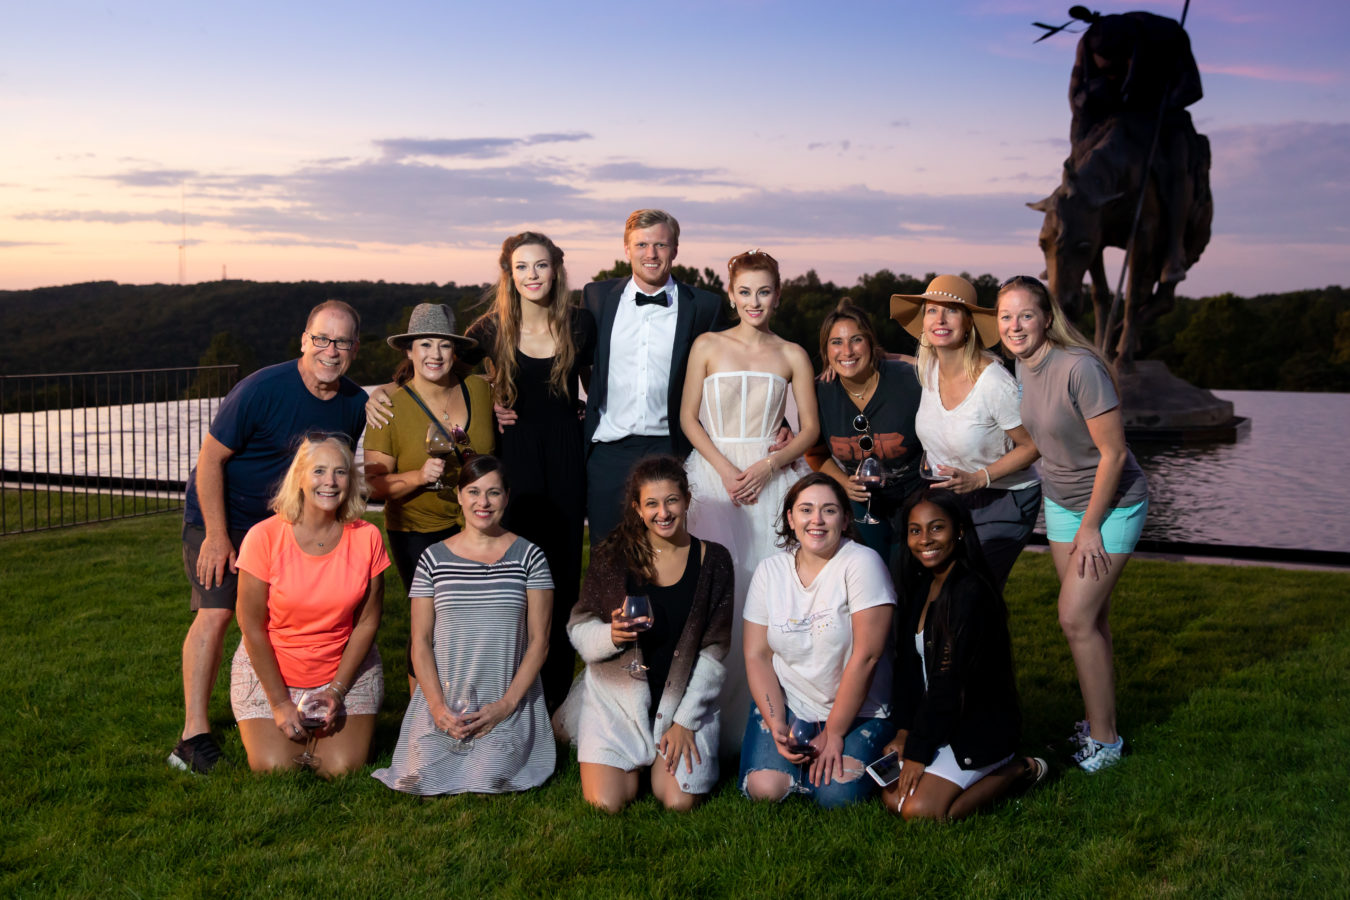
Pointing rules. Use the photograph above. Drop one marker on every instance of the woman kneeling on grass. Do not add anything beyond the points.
(481, 605)
(956, 701)
(648, 696)
(817, 623)
(310, 595)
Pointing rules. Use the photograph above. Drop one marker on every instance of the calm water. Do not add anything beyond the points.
(1285, 484)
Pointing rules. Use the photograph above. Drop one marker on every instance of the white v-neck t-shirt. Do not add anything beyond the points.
(811, 628)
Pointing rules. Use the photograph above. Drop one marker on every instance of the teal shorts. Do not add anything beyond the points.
(1120, 529)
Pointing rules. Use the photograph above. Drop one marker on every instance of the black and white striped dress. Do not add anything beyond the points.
(479, 637)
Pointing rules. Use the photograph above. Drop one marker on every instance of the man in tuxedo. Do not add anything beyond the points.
(645, 326)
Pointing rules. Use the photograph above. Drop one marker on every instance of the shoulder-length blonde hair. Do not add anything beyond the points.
(506, 311)
(973, 355)
(289, 500)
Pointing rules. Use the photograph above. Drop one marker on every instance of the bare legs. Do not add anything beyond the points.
(202, 650)
(937, 798)
(611, 789)
(1084, 612)
(344, 750)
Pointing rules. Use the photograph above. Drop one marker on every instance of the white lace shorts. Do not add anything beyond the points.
(249, 700)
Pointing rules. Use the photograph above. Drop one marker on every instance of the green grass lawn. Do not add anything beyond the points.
(32, 509)
(1234, 697)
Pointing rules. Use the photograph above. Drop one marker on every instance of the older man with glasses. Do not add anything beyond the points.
(248, 449)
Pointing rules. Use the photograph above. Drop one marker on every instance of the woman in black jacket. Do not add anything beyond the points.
(954, 698)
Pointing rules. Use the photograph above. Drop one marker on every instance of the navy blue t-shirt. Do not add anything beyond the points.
(263, 419)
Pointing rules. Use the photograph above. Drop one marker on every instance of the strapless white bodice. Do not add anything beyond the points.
(742, 406)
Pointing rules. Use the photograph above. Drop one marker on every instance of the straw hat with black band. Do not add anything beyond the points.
(949, 290)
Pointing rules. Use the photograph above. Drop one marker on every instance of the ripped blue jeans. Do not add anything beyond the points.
(863, 743)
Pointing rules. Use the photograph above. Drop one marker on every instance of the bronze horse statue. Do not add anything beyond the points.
(1094, 208)
(1136, 156)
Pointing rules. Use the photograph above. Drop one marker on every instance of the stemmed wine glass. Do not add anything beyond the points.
(440, 448)
(637, 606)
(870, 475)
(928, 469)
(462, 701)
(314, 707)
(460, 438)
(800, 734)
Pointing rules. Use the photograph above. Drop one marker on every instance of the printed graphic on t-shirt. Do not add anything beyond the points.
(812, 623)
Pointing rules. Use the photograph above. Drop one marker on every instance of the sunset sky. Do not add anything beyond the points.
(403, 141)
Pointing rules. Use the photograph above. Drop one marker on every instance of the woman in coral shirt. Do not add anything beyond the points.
(310, 595)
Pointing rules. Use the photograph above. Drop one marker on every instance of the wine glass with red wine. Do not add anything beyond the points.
(314, 708)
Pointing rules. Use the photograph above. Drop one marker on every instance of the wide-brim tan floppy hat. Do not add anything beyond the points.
(952, 290)
(431, 320)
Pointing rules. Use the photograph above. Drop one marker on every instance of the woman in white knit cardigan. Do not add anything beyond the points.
(663, 714)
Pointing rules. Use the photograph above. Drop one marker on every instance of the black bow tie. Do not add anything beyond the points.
(659, 298)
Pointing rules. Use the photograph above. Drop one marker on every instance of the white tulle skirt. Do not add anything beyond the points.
(749, 533)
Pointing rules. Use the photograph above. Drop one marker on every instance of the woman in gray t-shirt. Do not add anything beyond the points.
(1096, 497)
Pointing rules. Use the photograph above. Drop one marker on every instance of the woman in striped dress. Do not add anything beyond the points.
(481, 605)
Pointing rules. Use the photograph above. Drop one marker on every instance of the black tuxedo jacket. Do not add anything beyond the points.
(696, 311)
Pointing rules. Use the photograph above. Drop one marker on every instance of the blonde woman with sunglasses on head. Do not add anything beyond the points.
(311, 591)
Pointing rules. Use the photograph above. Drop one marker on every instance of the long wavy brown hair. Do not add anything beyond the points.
(505, 310)
(629, 539)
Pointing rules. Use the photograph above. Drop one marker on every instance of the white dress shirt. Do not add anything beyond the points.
(640, 350)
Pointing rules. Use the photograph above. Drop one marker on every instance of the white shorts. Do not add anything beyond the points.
(249, 700)
(946, 767)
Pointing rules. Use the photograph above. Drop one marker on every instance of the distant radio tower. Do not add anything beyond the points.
(182, 244)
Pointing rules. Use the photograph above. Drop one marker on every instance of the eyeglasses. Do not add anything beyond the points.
(864, 428)
(321, 343)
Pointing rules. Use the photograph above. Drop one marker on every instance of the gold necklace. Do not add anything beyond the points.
(866, 387)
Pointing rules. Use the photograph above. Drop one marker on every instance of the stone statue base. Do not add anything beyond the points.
(1158, 406)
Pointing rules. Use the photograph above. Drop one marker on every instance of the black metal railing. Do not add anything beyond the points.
(79, 447)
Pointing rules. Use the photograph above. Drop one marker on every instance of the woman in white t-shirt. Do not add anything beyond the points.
(969, 420)
(817, 626)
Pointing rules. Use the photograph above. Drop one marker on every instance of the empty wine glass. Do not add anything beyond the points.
(462, 700)
(635, 607)
(800, 734)
(314, 707)
(438, 447)
(870, 475)
(928, 469)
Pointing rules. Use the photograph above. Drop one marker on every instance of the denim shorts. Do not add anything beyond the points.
(1120, 529)
(864, 741)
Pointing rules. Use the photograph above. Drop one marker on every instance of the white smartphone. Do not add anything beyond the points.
(885, 770)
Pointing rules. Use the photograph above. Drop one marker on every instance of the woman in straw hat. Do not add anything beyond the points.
(418, 489)
(969, 421)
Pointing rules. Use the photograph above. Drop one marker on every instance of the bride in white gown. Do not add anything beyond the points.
(734, 395)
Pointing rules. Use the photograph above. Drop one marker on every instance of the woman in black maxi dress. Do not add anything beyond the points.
(543, 450)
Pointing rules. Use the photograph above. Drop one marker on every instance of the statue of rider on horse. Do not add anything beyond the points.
(1137, 176)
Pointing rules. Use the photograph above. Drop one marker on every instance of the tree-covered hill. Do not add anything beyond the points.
(1298, 341)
